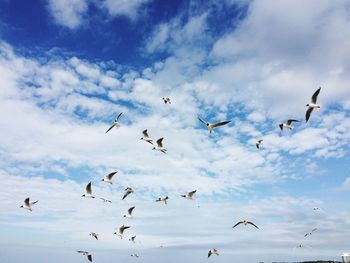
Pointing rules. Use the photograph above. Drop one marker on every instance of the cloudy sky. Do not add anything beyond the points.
(68, 67)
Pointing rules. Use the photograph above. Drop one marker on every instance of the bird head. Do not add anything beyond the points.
(83, 195)
(183, 195)
(154, 148)
(307, 105)
(124, 215)
(102, 179)
(114, 233)
(21, 206)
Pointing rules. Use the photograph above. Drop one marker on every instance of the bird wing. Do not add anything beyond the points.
(308, 113)
(220, 123)
(145, 134)
(88, 188)
(125, 195)
(252, 224)
(32, 203)
(313, 230)
(26, 201)
(159, 142)
(306, 234)
(95, 236)
(190, 194)
(257, 145)
(314, 97)
(237, 224)
(111, 127)
(202, 121)
(83, 252)
(209, 253)
(120, 114)
(130, 210)
(110, 175)
(89, 256)
(289, 122)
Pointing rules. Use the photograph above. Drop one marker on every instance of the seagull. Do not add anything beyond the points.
(121, 231)
(316, 209)
(309, 234)
(108, 177)
(146, 137)
(163, 199)
(94, 235)
(105, 200)
(132, 239)
(28, 205)
(189, 195)
(312, 105)
(129, 215)
(213, 251)
(115, 123)
(85, 253)
(166, 100)
(287, 124)
(160, 146)
(212, 126)
(245, 222)
(128, 191)
(258, 143)
(135, 255)
(88, 191)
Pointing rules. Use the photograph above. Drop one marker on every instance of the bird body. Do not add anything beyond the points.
(163, 199)
(213, 251)
(212, 126)
(160, 146)
(135, 255)
(189, 195)
(87, 254)
(121, 230)
(88, 193)
(28, 205)
(146, 137)
(105, 200)
(128, 191)
(93, 234)
(288, 124)
(129, 214)
(245, 222)
(132, 239)
(166, 100)
(115, 123)
(313, 105)
(259, 143)
(108, 177)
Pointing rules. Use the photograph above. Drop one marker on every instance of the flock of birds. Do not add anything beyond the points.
(190, 195)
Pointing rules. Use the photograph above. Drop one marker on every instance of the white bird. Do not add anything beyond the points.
(213, 251)
(129, 214)
(121, 231)
(87, 254)
(189, 195)
(163, 199)
(128, 191)
(311, 106)
(316, 209)
(105, 200)
(245, 222)
(108, 177)
(88, 193)
(212, 126)
(166, 100)
(132, 239)
(146, 137)
(28, 205)
(287, 124)
(258, 143)
(93, 234)
(309, 234)
(115, 123)
(160, 146)
(135, 255)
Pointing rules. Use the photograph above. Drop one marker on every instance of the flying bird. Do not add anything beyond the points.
(28, 205)
(132, 239)
(245, 222)
(311, 106)
(287, 124)
(87, 254)
(108, 177)
(128, 191)
(93, 234)
(309, 234)
(105, 200)
(166, 100)
(129, 214)
(213, 251)
(258, 143)
(135, 255)
(88, 193)
(163, 199)
(115, 123)
(212, 126)
(160, 146)
(146, 137)
(120, 231)
(189, 195)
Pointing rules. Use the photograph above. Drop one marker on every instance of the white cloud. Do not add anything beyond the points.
(68, 13)
(129, 8)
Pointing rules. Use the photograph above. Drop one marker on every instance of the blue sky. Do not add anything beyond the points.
(68, 67)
